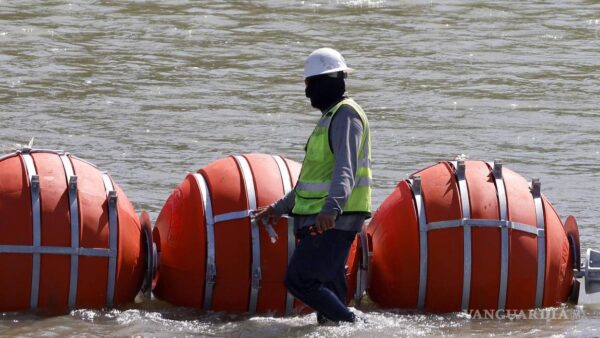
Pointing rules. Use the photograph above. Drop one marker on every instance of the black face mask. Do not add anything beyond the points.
(324, 90)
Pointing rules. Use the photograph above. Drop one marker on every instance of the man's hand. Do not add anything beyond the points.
(266, 215)
(325, 221)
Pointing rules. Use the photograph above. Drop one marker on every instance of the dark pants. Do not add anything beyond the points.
(316, 274)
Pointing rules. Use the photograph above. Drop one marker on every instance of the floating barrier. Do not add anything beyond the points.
(69, 237)
(468, 235)
(213, 254)
(462, 235)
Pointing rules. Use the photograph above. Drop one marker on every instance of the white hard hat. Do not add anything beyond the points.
(325, 61)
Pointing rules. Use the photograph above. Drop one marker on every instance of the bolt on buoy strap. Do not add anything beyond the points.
(74, 222)
(541, 243)
(211, 268)
(111, 201)
(251, 198)
(34, 186)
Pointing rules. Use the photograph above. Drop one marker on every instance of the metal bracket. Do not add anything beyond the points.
(256, 277)
(497, 168)
(211, 273)
(112, 198)
(73, 183)
(35, 182)
(536, 187)
(592, 271)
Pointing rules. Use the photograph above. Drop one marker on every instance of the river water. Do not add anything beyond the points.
(152, 90)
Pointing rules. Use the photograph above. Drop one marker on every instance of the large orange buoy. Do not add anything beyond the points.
(469, 235)
(69, 237)
(213, 254)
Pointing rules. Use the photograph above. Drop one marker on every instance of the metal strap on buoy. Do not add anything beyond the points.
(541, 241)
(285, 174)
(111, 199)
(363, 266)
(416, 188)
(502, 204)
(467, 247)
(34, 185)
(74, 220)
(211, 268)
(251, 195)
(291, 239)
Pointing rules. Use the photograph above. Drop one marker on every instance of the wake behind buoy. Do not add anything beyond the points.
(469, 235)
(69, 237)
(213, 254)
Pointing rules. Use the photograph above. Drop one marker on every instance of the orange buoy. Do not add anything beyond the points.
(469, 235)
(69, 237)
(213, 254)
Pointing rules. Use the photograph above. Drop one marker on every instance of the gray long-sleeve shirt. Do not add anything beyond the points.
(345, 133)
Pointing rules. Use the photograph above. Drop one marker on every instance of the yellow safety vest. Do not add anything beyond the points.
(317, 169)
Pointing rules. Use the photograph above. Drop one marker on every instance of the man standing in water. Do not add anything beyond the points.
(333, 195)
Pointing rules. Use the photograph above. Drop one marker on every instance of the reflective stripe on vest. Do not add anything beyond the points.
(359, 182)
(317, 169)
